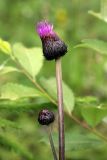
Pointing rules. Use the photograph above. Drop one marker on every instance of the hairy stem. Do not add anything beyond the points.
(60, 110)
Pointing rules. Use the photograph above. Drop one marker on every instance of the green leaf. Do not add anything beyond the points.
(7, 123)
(93, 115)
(12, 144)
(78, 141)
(24, 105)
(5, 47)
(97, 45)
(75, 141)
(31, 59)
(7, 69)
(15, 91)
(50, 86)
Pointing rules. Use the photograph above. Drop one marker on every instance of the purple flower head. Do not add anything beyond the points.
(53, 46)
(44, 29)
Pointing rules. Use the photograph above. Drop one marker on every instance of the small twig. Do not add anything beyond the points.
(93, 130)
(39, 87)
(34, 81)
(52, 143)
(60, 110)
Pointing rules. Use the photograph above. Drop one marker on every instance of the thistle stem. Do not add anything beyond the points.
(52, 143)
(60, 110)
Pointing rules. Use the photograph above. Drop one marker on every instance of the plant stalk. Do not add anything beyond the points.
(60, 110)
(52, 143)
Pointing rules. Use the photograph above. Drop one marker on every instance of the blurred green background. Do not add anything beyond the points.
(84, 70)
(72, 22)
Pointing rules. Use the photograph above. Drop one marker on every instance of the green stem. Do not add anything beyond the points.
(104, 9)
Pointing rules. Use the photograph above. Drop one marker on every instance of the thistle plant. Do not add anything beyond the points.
(25, 92)
(53, 49)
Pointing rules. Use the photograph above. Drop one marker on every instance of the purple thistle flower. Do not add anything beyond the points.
(44, 29)
(53, 46)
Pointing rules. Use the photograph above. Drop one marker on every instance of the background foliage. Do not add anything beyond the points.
(27, 81)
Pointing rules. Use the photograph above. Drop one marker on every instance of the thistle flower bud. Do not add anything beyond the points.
(45, 117)
(53, 46)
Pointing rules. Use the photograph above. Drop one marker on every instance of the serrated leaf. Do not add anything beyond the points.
(15, 91)
(97, 45)
(7, 69)
(31, 59)
(50, 86)
(5, 47)
(93, 115)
